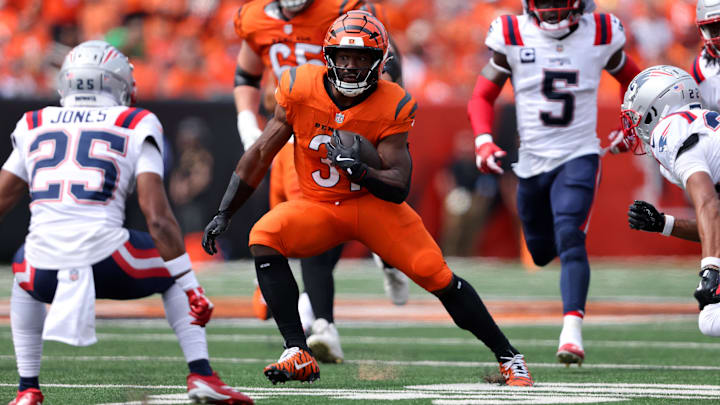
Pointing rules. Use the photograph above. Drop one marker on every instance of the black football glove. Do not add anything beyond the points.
(347, 157)
(217, 226)
(644, 216)
(707, 291)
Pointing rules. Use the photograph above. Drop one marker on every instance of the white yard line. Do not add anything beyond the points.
(448, 394)
(419, 363)
(261, 338)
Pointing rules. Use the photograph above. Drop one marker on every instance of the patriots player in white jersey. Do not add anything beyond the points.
(663, 108)
(79, 163)
(706, 67)
(554, 55)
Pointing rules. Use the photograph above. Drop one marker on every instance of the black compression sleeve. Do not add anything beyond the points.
(385, 191)
(238, 191)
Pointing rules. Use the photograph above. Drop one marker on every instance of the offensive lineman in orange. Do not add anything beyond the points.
(344, 199)
(278, 35)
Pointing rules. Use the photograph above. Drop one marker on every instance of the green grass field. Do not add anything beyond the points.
(664, 360)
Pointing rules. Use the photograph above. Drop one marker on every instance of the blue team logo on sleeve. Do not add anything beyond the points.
(662, 143)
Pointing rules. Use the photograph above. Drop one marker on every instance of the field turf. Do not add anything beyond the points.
(657, 359)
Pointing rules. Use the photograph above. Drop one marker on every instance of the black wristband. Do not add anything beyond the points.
(237, 192)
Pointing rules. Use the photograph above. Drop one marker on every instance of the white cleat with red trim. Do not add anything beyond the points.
(212, 390)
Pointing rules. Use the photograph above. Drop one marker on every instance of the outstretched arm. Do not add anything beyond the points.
(166, 234)
(249, 172)
(701, 190)
(643, 216)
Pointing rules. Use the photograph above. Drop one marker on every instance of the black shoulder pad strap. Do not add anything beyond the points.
(691, 141)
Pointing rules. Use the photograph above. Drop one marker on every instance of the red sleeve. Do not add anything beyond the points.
(625, 75)
(480, 106)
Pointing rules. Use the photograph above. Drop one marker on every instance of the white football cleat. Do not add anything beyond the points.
(570, 350)
(212, 390)
(325, 342)
(396, 283)
(307, 316)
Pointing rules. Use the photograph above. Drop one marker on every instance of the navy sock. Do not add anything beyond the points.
(201, 367)
(28, 382)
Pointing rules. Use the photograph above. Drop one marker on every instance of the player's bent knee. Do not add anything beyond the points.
(709, 320)
(430, 272)
(261, 250)
(568, 236)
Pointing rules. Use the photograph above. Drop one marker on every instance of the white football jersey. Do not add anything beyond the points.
(80, 164)
(706, 72)
(670, 135)
(555, 84)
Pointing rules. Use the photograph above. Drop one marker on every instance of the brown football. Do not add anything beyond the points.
(368, 153)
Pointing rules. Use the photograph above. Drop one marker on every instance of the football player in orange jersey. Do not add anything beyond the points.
(344, 199)
(279, 35)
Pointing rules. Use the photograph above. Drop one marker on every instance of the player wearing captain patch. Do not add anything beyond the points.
(80, 162)
(662, 107)
(343, 198)
(554, 55)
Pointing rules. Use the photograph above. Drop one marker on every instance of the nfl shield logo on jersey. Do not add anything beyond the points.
(527, 55)
(339, 118)
(287, 29)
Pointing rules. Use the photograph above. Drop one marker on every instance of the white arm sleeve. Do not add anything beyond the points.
(150, 159)
(15, 165)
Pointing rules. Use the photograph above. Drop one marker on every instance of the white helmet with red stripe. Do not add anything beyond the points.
(555, 17)
(95, 73)
(653, 94)
(708, 22)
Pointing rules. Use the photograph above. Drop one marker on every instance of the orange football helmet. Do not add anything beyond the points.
(357, 31)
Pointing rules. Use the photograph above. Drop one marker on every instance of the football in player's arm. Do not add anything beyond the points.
(345, 197)
(277, 36)
(663, 109)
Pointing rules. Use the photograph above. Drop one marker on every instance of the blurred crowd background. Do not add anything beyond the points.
(184, 53)
(187, 48)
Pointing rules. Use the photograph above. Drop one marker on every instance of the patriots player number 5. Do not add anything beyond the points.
(84, 158)
(551, 92)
